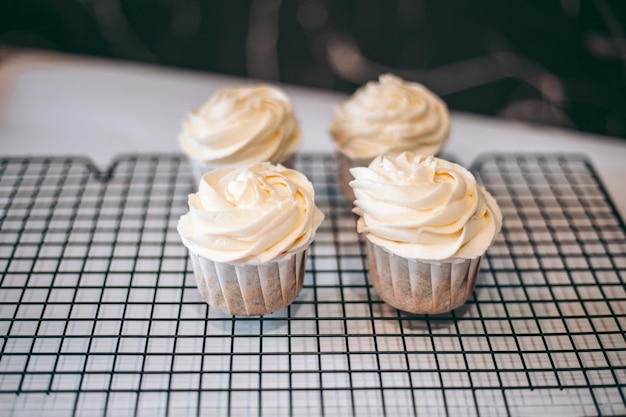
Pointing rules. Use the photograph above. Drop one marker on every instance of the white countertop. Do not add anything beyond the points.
(53, 104)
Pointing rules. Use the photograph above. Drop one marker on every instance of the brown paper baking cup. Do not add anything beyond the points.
(199, 168)
(343, 172)
(247, 289)
(421, 287)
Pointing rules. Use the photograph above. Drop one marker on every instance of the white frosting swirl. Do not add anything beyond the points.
(391, 115)
(242, 125)
(252, 215)
(423, 207)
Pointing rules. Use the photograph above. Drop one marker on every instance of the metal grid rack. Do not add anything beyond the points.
(99, 314)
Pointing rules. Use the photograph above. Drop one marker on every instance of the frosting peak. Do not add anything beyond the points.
(424, 207)
(242, 125)
(391, 115)
(254, 214)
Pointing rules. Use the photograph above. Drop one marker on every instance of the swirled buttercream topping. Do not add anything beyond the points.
(391, 115)
(242, 125)
(423, 207)
(253, 214)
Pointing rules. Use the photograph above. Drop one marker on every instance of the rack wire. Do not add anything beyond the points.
(99, 313)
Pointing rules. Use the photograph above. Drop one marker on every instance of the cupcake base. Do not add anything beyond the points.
(247, 289)
(199, 168)
(343, 173)
(418, 286)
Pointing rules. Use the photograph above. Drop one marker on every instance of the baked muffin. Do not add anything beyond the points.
(427, 225)
(238, 126)
(247, 231)
(391, 115)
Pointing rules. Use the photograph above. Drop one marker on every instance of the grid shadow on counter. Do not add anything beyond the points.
(99, 313)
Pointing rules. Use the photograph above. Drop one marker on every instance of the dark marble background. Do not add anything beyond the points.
(553, 62)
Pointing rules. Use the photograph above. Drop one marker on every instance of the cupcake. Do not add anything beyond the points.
(427, 224)
(391, 115)
(248, 230)
(238, 126)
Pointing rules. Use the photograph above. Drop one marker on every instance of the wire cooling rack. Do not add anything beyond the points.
(99, 313)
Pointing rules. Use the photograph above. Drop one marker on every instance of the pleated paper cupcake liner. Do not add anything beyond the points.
(199, 168)
(248, 289)
(418, 286)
